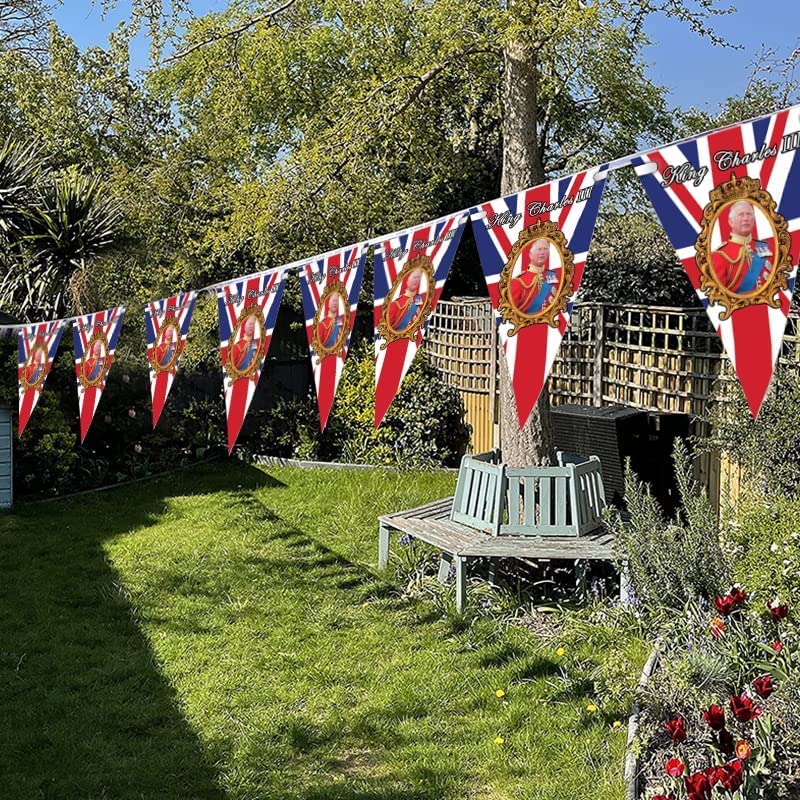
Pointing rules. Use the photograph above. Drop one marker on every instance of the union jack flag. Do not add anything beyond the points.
(410, 271)
(37, 347)
(248, 309)
(730, 204)
(532, 247)
(166, 324)
(330, 285)
(95, 337)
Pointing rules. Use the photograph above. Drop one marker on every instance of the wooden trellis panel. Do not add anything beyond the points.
(648, 357)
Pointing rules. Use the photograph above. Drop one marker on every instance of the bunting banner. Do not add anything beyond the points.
(410, 271)
(730, 204)
(95, 338)
(166, 324)
(37, 347)
(532, 247)
(330, 285)
(248, 308)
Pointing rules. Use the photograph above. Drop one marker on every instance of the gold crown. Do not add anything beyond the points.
(735, 189)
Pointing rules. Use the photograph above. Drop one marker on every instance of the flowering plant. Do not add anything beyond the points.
(725, 698)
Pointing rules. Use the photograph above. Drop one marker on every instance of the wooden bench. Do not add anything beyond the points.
(502, 512)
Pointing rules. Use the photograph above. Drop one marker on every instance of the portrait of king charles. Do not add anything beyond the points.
(167, 345)
(94, 360)
(247, 347)
(536, 278)
(331, 326)
(409, 300)
(744, 261)
(36, 364)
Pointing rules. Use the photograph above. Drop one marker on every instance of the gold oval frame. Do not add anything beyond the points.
(231, 370)
(98, 335)
(385, 330)
(170, 365)
(542, 229)
(720, 198)
(320, 351)
(38, 346)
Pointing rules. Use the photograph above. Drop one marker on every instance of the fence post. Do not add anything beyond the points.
(599, 348)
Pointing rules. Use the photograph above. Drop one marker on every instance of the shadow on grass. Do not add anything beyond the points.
(86, 712)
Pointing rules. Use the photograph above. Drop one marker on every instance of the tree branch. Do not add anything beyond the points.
(233, 33)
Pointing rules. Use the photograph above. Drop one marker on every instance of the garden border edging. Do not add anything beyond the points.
(632, 759)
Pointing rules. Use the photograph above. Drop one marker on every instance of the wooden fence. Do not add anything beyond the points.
(646, 357)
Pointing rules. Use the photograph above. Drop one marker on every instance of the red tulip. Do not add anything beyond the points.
(676, 728)
(778, 610)
(675, 767)
(764, 685)
(725, 742)
(715, 717)
(698, 787)
(743, 708)
(777, 646)
(714, 775)
(732, 775)
(724, 605)
(738, 596)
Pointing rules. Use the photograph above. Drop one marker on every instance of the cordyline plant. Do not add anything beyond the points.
(730, 749)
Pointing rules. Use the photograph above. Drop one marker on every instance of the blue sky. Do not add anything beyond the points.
(695, 72)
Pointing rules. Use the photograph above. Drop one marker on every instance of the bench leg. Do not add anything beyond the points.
(383, 547)
(580, 578)
(625, 592)
(493, 572)
(444, 567)
(461, 583)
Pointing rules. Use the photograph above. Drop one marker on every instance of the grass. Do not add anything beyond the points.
(221, 634)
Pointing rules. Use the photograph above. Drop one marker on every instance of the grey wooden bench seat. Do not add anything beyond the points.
(458, 542)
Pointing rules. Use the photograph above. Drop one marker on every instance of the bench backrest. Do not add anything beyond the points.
(480, 492)
(566, 500)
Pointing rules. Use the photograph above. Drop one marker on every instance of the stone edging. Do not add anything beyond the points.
(276, 461)
(631, 759)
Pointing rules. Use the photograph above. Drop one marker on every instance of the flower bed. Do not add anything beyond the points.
(721, 717)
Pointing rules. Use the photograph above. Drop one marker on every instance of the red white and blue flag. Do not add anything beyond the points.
(95, 337)
(248, 308)
(729, 201)
(166, 324)
(410, 271)
(37, 347)
(532, 247)
(330, 285)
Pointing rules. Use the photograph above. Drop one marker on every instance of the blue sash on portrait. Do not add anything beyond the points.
(760, 253)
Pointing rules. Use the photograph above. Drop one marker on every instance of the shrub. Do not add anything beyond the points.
(768, 448)
(669, 561)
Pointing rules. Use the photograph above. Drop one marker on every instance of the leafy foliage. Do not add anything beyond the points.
(669, 561)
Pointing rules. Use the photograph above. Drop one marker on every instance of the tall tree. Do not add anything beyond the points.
(317, 121)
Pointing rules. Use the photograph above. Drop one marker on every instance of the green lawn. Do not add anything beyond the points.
(222, 634)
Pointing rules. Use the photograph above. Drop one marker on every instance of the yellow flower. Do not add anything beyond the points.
(560, 652)
(499, 740)
(617, 723)
(500, 693)
(591, 708)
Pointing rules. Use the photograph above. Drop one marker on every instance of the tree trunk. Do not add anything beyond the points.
(522, 168)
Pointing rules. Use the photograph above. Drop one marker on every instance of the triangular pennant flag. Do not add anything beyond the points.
(532, 246)
(248, 308)
(410, 271)
(730, 203)
(330, 286)
(37, 346)
(166, 324)
(95, 338)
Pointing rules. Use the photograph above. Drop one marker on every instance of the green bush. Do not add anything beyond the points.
(767, 448)
(423, 428)
(670, 561)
